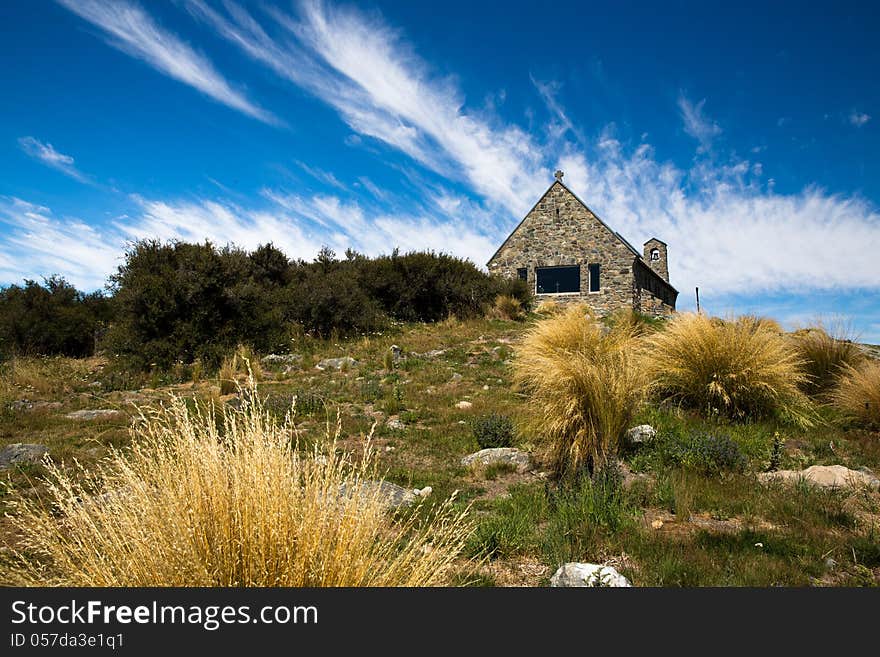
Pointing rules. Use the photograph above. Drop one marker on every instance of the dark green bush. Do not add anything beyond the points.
(50, 319)
(493, 430)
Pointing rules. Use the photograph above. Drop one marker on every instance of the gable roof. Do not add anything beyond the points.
(586, 207)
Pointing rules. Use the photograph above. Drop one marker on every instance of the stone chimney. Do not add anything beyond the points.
(655, 256)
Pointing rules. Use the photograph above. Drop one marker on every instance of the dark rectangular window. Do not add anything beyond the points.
(594, 278)
(553, 280)
(522, 273)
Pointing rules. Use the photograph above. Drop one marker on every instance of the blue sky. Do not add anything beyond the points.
(744, 136)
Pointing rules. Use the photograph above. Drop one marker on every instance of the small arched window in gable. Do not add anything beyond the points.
(655, 254)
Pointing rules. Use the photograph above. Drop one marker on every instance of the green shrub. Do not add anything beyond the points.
(495, 430)
(52, 319)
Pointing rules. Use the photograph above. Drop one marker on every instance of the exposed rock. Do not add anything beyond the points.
(396, 353)
(94, 414)
(423, 492)
(456, 376)
(434, 353)
(393, 496)
(644, 433)
(825, 476)
(587, 574)
(497, 455)
(396, 423)
(21, 453)
(464, 405)
(336, 363)
(32, 405)
(281, 359)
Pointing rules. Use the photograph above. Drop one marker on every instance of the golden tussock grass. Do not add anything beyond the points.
(743, 368)
(857, 394)
(548, 307)
(201, 500)
(825, 357)
(583, 387)
(507, 307)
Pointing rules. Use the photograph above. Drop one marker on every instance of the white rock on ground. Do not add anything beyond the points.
(21, 453)
(93, 414)
(496, 455)
(282, 359)
(825, 476)
(644, 433)
(464, 405)
(395, 423)
(587, 574)
(336, 363)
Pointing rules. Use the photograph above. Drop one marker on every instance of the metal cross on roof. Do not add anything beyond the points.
(558, 175)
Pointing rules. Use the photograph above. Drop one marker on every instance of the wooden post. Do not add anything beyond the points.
(698, 299)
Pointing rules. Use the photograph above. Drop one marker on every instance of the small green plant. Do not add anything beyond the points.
(394, 402)
(493, 430)
(370, 390)
(776, 453)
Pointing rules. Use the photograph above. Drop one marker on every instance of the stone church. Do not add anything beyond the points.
(565, 252)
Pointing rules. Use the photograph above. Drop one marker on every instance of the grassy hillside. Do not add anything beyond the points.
(686, 509)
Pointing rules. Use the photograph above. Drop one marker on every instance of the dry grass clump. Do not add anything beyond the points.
(740, 369)
(204, 501)
(507, 307)
(47, 375)
(548, 307)
(584, 387)
(825, 358)
(243, 361)
(857, 394)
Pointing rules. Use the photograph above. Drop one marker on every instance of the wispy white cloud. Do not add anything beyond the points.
(326, 177)
(560, 123)
(696, 123)
(47, 154)
(382, 89)
(858, 119)
(130, 29)
(727, 233)
(36, 243)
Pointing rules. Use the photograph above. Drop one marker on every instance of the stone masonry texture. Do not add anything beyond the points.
(561, 230)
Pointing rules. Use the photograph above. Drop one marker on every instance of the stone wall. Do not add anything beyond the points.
(561, 231)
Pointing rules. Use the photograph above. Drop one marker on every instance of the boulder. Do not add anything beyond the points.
(392, 495)
(825, 476)
(94, 414)
(336, 363)
(21, 453)
(644, 433)
(464, 405)
(587, 574)
(396, 353)
(497, 455)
